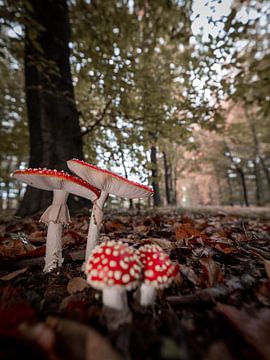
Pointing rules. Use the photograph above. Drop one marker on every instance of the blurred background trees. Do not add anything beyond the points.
(167, 93)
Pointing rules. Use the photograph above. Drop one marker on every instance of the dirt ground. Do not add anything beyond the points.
(217, 308)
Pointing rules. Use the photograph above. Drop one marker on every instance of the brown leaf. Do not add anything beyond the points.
(263, 293)
(211, 270)
(218, 351)
(190, 274)
(255, 330)
(81, 341)
(12, 248)
(141, 229)
(37, 237)
(38, 252)
(267, 267)
(76, 284)
(13, 274)
(14, 309)
(163, 243)
(111, 226)
(187, 230)
(224, 248)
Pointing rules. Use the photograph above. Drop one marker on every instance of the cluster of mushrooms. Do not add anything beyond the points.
(112, 267)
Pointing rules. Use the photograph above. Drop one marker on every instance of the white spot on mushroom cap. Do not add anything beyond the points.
(125, 278)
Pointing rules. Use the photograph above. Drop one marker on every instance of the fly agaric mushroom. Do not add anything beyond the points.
(57, 213)
(158, 272)
(109, 183)
(113, 267)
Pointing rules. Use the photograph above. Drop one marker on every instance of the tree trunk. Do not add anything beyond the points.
(126, 175)
(258, 189)
(266, 172)
(244, 186)
(257, 155)
(231, 202)
(154, 170)
(167, 178)
(55, 134)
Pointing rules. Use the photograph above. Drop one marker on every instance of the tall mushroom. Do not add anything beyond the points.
(109, 183)
(158, 272)
(57, 214)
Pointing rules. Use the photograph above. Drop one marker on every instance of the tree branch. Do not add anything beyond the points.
(89, 129)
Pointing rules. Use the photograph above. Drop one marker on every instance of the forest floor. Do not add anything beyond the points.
(218, 308)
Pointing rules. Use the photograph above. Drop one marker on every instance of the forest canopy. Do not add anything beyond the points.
(174, 94)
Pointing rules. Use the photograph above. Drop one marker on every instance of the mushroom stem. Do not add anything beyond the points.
(53, 256)
(115, 299)
(55, 216)
(95, 223)
(147, 295)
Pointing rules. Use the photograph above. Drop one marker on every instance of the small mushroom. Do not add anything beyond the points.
(109, 183)
(113, 267)
(57, 214)
(158, 272)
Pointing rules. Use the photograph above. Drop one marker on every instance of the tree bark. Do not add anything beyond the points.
(167, 178)
(55, 134)
(231, 202)
(244, 185)
(258, 189)
(154, 170)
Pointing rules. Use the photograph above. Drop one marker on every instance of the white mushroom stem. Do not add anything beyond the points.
(95, 223)
(115, 299)
(53, 256)
(55, 216)
(147, 295)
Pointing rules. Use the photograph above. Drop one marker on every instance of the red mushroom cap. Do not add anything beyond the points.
(46, 179)
(113, 264)
(109, 181)
(158, 269)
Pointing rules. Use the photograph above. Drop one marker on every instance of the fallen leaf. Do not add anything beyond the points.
(255, 330)
(267, 267)
(14, 309)
(76, 284)
(141, 229)
(13, 274)
(37, 237)
(37, 252)
(211, 270)
(190, 274)
(188, 230)
(224, 248)
(111, 226)
(12, 248)
(163, 243)
(81, 341)
(263, 293)
(218, 351)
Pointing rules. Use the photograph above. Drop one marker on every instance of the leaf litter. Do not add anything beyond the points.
(218, 307)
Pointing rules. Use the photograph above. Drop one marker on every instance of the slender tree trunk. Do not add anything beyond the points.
(7, 189)
(155, 182)
(231, 202)
(174, 181)
(266, 172)
(258, 189)
(55, 134)
(167, 178)
(257, 155)
(220, 195)
(244, 186)
(126, 175)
